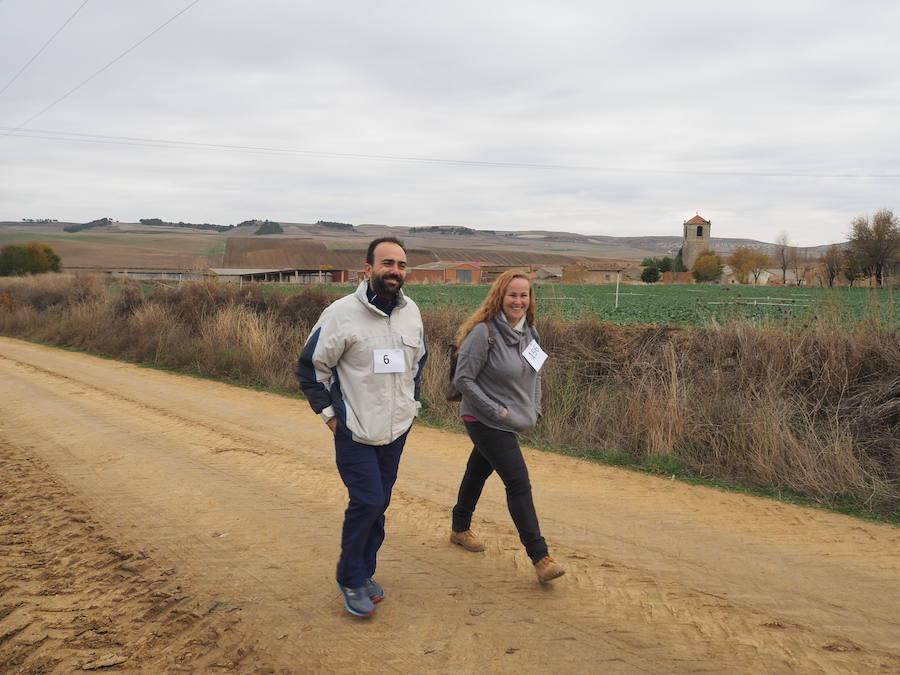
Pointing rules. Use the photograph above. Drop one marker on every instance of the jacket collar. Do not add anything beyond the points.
(362, 294)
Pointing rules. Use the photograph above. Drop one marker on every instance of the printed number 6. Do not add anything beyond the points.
(387, 359)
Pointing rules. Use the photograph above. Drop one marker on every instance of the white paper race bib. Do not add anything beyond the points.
(389, 361)
(535, 355)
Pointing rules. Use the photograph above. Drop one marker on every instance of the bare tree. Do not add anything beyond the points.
(760, 262)
(809, 268)
(875, 242)
(783, 255)
(832, 262)
(797, 263)
(852, 269)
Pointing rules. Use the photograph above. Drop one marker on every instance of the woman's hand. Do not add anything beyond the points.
(504, 414)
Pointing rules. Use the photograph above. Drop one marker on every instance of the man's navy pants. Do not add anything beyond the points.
(369, 472)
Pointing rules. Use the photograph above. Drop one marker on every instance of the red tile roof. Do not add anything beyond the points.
(697, 220)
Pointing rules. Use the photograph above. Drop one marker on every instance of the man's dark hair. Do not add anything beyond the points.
(370, 254)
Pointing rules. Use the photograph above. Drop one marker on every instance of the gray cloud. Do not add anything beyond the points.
(667, 102)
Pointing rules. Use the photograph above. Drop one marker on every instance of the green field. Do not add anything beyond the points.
(671, 304)
(684, 304)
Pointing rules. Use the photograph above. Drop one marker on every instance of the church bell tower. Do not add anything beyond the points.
(695, 239)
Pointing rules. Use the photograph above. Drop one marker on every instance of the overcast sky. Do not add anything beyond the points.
(595, 117)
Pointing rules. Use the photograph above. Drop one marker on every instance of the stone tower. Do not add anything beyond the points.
(695, 239)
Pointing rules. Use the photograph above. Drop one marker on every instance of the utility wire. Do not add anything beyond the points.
(137, 142)
(106, 67)
(46, 44)
(47, 134)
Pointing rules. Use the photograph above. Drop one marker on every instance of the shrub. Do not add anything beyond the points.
(650, 275)
(33, 258)
(7, 304)
(708, 267)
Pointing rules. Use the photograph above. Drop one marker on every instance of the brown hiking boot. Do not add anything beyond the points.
(467, 540)
(548, 569)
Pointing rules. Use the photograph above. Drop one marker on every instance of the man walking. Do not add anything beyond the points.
(361, 370)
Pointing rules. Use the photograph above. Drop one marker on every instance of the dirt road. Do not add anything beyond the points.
(154, 522)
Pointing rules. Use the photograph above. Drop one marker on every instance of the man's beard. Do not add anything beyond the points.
(382, 289)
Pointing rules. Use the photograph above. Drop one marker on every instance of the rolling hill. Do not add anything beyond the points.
(137, 246)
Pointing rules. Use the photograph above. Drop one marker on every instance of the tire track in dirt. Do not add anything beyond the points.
(194, 442)
(70, 597)
(244, 500)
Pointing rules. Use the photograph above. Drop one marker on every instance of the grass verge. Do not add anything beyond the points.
(810, 411)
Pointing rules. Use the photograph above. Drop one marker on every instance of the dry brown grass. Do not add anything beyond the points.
(814, 410)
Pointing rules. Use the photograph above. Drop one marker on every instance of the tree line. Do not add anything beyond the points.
(655, 267)
(873, 246)
(269, 227)
(100, 222)
(871, 252)
(157, 222)
(334, 225)
(442, 229)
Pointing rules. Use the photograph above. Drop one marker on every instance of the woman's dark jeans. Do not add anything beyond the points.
(499, 451)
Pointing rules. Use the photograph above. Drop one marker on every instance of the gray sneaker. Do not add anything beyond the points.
(374, 590)
(357, 600)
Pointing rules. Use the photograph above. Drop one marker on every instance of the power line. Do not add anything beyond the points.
(39, 51)
(47, 134)
(137, 142)
(106, 67)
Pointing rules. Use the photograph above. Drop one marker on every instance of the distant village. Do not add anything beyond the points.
(695, 262)
(332, 258)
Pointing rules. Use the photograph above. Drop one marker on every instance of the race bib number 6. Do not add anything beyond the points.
(389, 361)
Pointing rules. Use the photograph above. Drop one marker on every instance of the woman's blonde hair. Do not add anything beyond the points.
(493, 304)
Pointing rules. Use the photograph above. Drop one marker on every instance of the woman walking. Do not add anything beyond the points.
(498, 375)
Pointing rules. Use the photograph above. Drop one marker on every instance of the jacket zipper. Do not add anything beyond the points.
(393, 381)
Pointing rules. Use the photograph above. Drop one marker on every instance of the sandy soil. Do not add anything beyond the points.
(156, 523)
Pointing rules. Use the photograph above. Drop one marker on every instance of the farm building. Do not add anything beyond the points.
(298, 261)
(492, 271)
(165, 274)
(445, 273)
(585, 273)
(290, 276)
(548, 274)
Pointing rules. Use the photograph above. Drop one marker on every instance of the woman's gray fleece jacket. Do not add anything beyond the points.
(493, 377)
